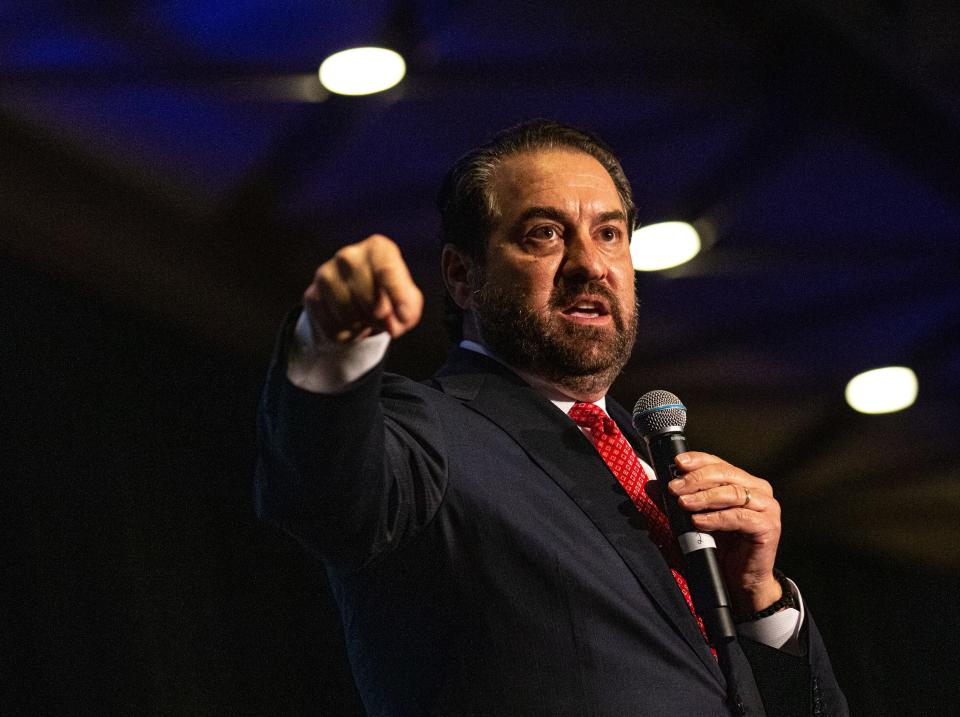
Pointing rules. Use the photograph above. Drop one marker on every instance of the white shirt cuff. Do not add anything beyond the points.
(780, 630)
(320, 365)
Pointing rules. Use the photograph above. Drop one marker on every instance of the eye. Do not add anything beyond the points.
(545, 232)
(609, 234)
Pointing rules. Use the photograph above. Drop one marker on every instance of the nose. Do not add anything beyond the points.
(583, 259)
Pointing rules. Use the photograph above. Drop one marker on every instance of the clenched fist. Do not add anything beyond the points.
(364, 289)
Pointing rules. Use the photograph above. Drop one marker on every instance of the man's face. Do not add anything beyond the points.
(556, 292)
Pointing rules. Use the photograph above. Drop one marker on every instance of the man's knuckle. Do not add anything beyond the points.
(346, 260)
(327, 272)
(380, 243)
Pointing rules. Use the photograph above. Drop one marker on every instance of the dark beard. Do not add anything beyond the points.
(580, 359)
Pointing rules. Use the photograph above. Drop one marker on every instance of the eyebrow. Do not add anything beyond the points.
(614, 216)
(541, 213)
(559, 216)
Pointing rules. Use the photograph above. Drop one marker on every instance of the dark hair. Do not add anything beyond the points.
(468, 206)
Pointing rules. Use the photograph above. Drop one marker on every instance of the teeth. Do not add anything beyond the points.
(587, 308)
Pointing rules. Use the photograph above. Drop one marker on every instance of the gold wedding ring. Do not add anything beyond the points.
(747, 501)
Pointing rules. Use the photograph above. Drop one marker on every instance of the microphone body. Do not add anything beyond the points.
(660, 418)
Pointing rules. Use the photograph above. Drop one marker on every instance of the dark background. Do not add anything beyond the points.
(169, 178)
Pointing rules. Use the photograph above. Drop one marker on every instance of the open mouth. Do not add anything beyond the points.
(587, 309)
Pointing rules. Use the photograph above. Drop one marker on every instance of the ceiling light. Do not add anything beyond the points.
(663, 245)
(362, 71)
(882, 390)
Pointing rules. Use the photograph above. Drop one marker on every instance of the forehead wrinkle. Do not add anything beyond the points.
(504, 170)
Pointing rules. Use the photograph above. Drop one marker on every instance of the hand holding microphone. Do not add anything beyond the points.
(726, 521)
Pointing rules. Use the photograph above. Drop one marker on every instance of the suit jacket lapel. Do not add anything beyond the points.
(558, 446)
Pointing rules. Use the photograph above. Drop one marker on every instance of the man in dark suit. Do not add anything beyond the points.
(484, 555)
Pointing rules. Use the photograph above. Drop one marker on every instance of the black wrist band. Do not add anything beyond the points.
(786, 600)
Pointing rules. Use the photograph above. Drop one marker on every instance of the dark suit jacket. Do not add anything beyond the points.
(486, 562)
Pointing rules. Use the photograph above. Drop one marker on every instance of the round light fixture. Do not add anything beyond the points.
(362, 71)
(882, 390)
(664, 245)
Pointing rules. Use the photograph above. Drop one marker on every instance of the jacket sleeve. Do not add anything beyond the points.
(350, 475)
(792, 685)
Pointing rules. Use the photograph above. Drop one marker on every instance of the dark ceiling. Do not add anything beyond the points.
(180, 160)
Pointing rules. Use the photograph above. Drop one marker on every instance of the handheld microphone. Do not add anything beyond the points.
(660, 418)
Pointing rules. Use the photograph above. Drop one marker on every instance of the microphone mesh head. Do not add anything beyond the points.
(657, 411)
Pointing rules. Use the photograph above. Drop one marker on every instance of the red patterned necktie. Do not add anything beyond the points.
(620, 457)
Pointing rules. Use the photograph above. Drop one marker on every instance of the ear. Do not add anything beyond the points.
(458, 275)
